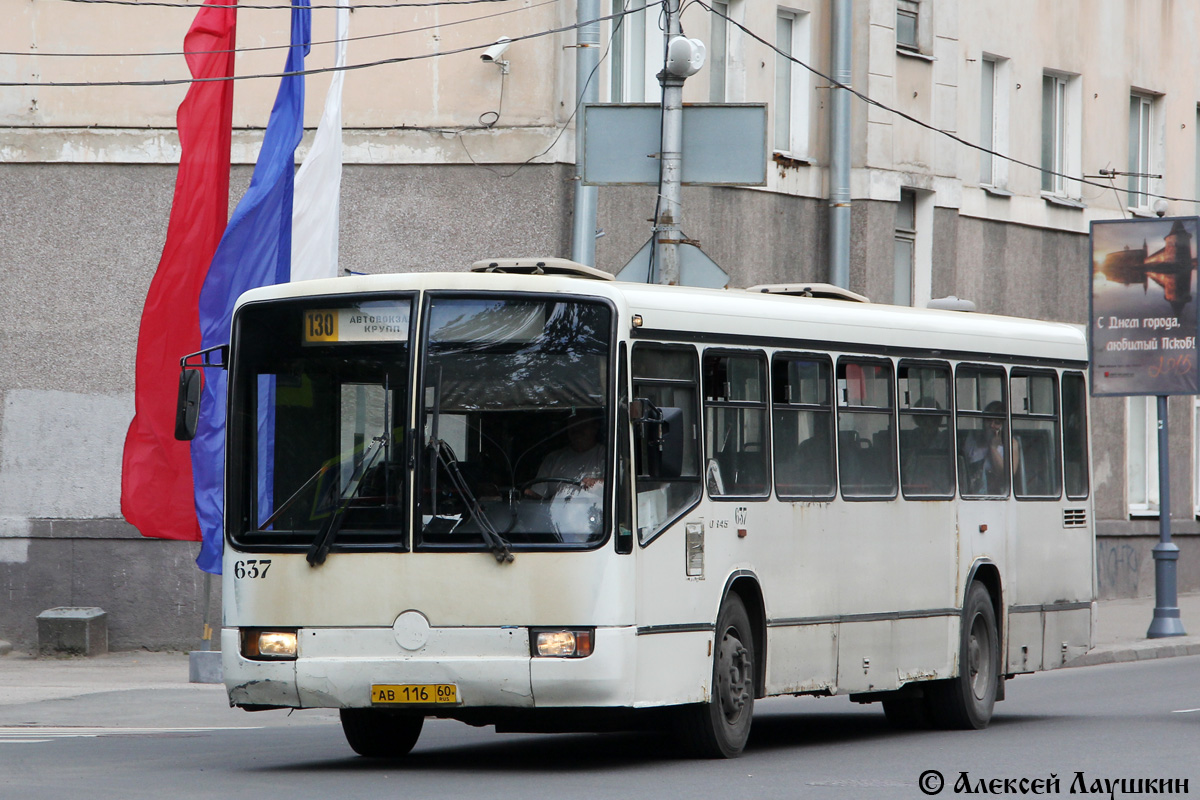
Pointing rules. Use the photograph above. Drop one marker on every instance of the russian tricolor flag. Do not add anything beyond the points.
(191, 301)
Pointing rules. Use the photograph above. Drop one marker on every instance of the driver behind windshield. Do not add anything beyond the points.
(576, 467)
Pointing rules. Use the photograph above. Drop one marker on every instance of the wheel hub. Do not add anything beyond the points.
(734, 679)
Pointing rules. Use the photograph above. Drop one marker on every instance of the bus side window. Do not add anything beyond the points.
(1075, 440)
(735, 424)
(802, 426)
(1035, 435)
(866, 428)
(926, 449)
(982, 432)
(669, 378)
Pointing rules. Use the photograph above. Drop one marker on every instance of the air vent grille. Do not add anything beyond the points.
(1074, 517)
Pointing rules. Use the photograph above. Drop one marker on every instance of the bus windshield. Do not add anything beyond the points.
(514, 423)
(317, 425)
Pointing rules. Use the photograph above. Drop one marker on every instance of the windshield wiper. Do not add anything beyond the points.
(333, 523)
(500, 546)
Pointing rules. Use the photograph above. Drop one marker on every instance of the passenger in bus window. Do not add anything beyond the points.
(926, 466)
(578, 466)
(985, 455)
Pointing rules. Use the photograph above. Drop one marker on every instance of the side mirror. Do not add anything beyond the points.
(187, 409)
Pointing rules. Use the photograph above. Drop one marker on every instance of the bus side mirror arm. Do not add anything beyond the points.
(187, 408)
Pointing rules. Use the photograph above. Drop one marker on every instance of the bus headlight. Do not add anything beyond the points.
(563, 643)
(268, 645)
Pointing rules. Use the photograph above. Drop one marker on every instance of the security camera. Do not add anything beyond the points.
(1160, 207)
(493, 53)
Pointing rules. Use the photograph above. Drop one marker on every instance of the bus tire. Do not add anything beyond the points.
(966, 702)
(381, 733)
(720, 727)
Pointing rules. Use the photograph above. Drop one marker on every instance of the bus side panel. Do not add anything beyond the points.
(674, 668)
(801, 658)
(885, 654)
(1051, 563)
(1067, 635)
(1025, 637)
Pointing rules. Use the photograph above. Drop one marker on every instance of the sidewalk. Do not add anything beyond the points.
(1120, 636)
(1121, 628)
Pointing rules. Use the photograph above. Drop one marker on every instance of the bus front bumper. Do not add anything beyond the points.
(489, 668)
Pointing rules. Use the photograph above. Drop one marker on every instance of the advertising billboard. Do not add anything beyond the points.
(1143, 324)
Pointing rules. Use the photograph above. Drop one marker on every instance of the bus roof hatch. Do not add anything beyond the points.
(826, 291)
(540, 266)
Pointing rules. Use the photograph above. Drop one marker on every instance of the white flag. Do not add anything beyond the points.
(319, 180)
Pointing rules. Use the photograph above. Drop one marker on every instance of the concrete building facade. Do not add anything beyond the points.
(449, 159)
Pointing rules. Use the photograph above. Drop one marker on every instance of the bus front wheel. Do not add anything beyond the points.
(380, 733)
(720, 727)
(966, 702)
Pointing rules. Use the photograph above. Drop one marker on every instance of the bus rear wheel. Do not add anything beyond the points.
(380, 733)
(720, 727)
(966, 702)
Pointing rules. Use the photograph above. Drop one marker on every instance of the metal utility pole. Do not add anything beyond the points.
(1166, 621)
(839, 146)
(666, 226)
(587, 90)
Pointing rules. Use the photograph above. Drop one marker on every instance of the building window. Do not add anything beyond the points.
(908, 17)
(1143, 155)
(1054, 132)
(636, 57)
(791, 84)
(1141, 462)
(993, 121)
(1196, 128)
(1062, 142)
(718, 45)
(1196, 456)
(906, 241)
(726, 57)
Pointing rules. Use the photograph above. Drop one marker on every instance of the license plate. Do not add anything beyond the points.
(414, 693)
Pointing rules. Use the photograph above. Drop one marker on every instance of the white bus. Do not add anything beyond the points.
(532, 497)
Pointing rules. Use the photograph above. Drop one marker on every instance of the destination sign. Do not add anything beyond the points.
(368, 322)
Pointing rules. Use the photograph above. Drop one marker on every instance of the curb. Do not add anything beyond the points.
(1142, 651)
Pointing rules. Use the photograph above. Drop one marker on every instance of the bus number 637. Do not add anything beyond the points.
(252, 568)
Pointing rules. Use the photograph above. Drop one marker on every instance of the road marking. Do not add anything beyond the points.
(1186, 711)
(33, 734)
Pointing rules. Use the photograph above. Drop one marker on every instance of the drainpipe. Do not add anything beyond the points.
(587, 90)
(839, 147)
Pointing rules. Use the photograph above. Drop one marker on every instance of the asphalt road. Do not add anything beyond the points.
(1133, 721)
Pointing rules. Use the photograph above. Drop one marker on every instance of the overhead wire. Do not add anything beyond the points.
(921, 123)
(177, 53)
(435, 3)
(315, 70)
(276, 7)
